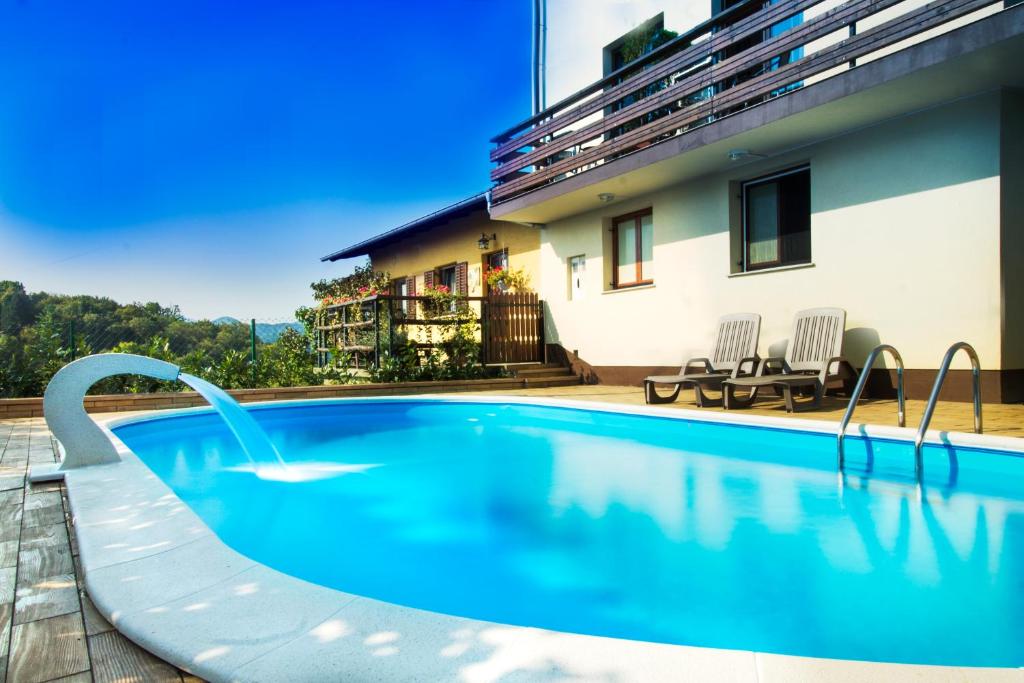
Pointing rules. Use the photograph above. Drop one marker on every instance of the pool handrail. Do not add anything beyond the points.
(933, 399)
(862, 381)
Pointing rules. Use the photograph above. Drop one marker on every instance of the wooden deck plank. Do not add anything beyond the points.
(115, 659)
(44, 536)
(47, 649)
(35, 564)
(7, 577)
(48, 597)
(10, 522)
(9, 553)
(95, 623)
(6, 612)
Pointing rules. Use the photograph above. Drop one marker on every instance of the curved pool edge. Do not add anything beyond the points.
(166, 581)
(794, 424)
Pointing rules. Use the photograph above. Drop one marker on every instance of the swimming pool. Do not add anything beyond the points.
(631, 526)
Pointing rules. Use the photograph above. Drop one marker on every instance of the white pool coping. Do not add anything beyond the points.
(159, 574)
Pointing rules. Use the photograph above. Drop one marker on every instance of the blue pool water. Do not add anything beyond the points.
(628, 526)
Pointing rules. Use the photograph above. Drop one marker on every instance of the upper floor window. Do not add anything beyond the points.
(777, 220)
(633, 246)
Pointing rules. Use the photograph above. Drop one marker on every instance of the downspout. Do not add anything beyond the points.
(540, 55)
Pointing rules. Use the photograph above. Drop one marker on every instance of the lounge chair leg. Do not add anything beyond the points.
(730, 400)
(787, 394)
(705, 401)
(652, 397)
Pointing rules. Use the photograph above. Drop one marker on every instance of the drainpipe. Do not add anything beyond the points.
(540, 55)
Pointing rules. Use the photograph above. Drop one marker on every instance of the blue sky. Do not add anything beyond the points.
(206, 154)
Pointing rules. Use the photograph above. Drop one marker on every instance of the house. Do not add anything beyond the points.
(454, 247)
(778, 156)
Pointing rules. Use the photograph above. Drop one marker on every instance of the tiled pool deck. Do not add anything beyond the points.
(50, 631)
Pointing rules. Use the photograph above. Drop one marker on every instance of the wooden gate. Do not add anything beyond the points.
(513, 328)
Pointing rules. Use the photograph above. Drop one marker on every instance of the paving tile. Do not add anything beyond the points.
(12, 497)
(47, 649)
(6, 612)
(115, 659)
(7, 575)
(38, 563)
(159, 579)
(42, 500)
(217, 626)
(43, 509)
(84, 677)
(94, 621)
(3, 669)
(48, 597)
(42, 536)
(8, 482)
(8, 553)
(10, 522)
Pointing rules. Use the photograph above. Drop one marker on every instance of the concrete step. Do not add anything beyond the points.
(542, 382)
(558, 371)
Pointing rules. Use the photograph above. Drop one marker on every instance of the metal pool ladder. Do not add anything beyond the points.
(934, 397)
(861, 382)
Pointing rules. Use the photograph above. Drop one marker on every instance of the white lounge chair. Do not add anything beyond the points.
(735, 346)
(814, 359)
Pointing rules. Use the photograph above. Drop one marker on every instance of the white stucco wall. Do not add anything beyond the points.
(905, 237)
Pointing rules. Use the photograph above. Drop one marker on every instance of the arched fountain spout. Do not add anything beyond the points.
(84, 443)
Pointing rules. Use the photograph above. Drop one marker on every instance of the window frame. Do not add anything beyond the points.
(780, 261)
(637, 217)
(439, 277)
(400, 287)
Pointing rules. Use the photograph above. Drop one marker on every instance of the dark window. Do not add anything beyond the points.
(777, 220)
(633, 247)
(497, 259)
(446, 277)
(400, 287)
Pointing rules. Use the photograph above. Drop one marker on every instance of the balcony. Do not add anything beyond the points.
(755, 74)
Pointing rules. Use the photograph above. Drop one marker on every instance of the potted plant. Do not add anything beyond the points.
(439, 300)
(507, 279)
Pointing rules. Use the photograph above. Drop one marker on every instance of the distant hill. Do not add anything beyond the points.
(267, 332)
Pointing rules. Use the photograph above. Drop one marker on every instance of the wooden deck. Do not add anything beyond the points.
(49, 629)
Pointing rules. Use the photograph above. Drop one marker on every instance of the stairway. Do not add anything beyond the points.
(539, 375)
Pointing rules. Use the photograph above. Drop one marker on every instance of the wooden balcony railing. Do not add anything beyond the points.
(741, 57)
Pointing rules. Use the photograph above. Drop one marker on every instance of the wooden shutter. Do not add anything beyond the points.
(410, 286)
(462, 279)
(428, 279)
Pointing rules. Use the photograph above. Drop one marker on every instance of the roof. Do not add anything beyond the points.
(422, 224)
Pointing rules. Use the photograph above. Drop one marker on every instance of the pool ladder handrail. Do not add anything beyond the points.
(933, 399)
(901, 405)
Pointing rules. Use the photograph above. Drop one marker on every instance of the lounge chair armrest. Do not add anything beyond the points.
(824, 374)
(754, 364)
(706, 362)
(770, 361)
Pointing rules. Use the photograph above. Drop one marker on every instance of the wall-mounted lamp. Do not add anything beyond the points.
(485, 241)
(737, 154)
(606, 197)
